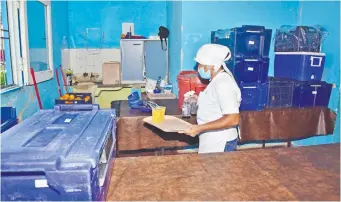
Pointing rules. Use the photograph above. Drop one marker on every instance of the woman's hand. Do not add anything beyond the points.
(192, 131)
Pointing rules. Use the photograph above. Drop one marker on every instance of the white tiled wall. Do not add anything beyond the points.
(88, 60)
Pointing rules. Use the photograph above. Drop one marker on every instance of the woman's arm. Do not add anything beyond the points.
(227, 121)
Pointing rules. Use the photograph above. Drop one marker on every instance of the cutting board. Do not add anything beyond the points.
(111, 73)
(171, 124)
(161, 96)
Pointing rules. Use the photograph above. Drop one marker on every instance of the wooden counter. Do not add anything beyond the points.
(270, 124)
(304, 173)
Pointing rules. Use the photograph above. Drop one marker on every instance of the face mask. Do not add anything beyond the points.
(203, 74)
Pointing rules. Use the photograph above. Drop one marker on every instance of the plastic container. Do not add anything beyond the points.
(61, 154)
(310, 94)
(8, 118)
(80, 95)
(158, 114)
(251, 70)
(136, 88)
(188, 82)
(200, 88)
(280, 92)
(301, 66)
(248, 41)
(254, 96)
(299, 39)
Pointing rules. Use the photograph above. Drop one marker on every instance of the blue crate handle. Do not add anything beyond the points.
(76, 107)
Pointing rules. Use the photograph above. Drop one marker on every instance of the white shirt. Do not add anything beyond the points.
(221, 97)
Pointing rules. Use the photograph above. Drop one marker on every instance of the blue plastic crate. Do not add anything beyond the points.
(301, 66)
(246, 41)
(310, 94)
(299, 39)
(251, 70)
(62, 154)
(8, 118)
(254, 96)
(280, 92)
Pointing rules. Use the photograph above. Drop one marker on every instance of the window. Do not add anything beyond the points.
(6, 78)
(9, 52)
(37, 37)
(26, 41)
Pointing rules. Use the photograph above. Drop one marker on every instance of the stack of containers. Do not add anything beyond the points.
(62, 154)
(189, 81)
(250, 47)
(299, 60)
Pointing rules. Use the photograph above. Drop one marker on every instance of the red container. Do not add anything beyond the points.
(199, 88)
(187, 72)
(188, 81)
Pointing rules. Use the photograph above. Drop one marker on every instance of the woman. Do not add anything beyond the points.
(218, 104)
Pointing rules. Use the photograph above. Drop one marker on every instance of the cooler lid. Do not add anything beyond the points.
(56, 138)
(300, 53)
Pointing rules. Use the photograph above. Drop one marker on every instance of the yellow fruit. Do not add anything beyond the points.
(87, 98)
(78, 98)
(72, 97)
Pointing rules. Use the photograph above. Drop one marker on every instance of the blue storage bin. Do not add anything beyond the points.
(310, 94)
(251, 70)
(62, 154)
(301, 66)
(246, 41)
(280, 92)
(299, 39)
(254, 96)
(251, 41)
(8, 118)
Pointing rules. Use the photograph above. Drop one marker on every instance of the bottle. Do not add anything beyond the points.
(69, 77)
(186, 110)
(158, 83)
(64, 43)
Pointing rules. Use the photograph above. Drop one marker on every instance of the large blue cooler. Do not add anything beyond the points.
(310, 94)
(251, 70)
(63, 154)
(301, 66)
(254, 96)
(8, 118)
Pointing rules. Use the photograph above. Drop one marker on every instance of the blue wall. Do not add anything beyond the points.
(24, 99)
(205, 17)
(174, 23)
(200, 18)
(36, 24)
(108, 16)
(326, 14)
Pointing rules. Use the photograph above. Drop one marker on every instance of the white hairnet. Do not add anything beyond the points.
(213, 54)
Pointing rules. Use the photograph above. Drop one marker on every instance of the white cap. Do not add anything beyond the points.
(213, 54)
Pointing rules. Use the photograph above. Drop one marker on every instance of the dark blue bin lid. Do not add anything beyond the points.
(56, 139)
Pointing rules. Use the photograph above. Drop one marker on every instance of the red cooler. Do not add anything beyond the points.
(189, 81)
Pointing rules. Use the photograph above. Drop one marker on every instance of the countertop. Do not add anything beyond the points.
(303, 173)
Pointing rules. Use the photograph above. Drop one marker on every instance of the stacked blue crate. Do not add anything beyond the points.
(250, 46)
(59, 155)
(298, 57)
